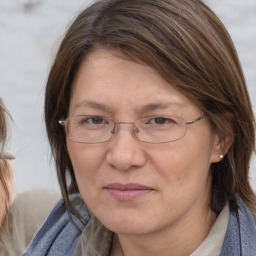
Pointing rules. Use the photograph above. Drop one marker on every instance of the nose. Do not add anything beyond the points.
(125, 150)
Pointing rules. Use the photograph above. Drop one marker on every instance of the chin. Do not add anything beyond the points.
(126, 224)
(127, 229)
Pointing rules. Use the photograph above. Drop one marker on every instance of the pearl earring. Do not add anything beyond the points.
(221, 156)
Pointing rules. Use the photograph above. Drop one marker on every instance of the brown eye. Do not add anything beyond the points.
(96, 120)
(160, 120)
(91, 120)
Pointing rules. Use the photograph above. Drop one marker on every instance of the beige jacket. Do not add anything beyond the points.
(27, 213)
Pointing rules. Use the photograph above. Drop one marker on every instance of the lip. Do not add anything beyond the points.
(127, 192)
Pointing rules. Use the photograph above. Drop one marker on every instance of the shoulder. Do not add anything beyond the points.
(25, 216)
(240, 237)
(248, 229)
(30, 209)
(59, 233)
(35, 203)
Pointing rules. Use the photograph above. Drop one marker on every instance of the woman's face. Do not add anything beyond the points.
(134, 187)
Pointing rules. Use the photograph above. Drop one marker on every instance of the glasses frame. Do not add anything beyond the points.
(113, 131)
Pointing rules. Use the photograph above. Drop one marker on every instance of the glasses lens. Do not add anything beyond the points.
(89, 129)
(160, 129)
(98, 129)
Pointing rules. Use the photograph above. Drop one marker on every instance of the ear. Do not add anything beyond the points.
(221, 147)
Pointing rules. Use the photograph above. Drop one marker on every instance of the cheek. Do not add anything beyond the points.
(86, 161)
(183, 164)
(83, 157)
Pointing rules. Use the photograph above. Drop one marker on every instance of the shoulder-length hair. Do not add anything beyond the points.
(191, 49)
(3, 159)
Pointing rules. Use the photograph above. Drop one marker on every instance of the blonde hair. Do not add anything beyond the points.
(3, 158)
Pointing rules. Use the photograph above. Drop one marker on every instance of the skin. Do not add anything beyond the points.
(175, 216)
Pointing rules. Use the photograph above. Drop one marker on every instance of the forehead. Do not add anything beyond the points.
(106, 78)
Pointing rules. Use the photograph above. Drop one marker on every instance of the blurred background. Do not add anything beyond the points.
(30, 32)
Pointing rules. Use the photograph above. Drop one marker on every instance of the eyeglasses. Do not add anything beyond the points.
(98, 129)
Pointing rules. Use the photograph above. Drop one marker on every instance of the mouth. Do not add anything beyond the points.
(128, 192)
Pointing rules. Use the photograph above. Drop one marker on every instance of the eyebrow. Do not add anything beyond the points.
(142, 109)
(93, 105)
(159, 105)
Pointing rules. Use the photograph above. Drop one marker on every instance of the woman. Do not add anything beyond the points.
(23, 215)
(152, 131)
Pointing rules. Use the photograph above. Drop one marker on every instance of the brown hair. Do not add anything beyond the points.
(191, 49)
(3, 158)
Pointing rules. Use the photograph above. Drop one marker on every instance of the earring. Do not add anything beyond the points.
(221, 156)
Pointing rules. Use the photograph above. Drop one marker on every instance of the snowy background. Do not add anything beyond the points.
(30, 31)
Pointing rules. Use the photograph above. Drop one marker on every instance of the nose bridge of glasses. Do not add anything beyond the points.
(135, 129)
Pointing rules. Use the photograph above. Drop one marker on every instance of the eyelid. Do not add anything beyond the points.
(93, 116)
